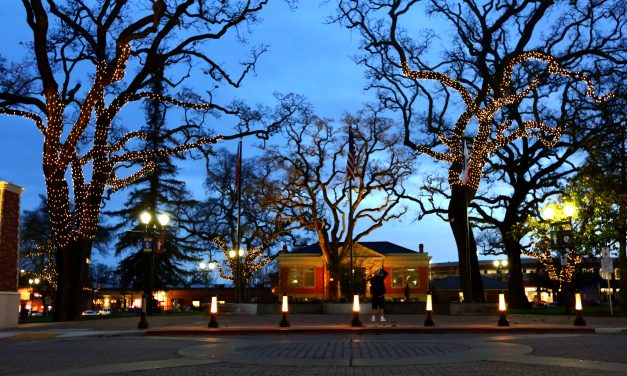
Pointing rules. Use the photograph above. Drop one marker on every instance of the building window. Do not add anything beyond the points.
(302, 277)
(617, 274)
(309, 277)
(404, 276)
(411, 276)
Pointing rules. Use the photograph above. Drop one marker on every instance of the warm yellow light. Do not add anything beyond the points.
(241, 252)
(578, 306)
(502, 307)
(461, 296)
(145, 217)
(503, 263)
(163, 219)
(284, 307)
(569, 210)
(214, 304)
(548, 213)
(212, 265)
(429, 303)
(495, 263)
(202, 265)
(356, 303)
(231, 253)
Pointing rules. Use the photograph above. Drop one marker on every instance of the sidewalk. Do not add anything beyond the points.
(316, 324)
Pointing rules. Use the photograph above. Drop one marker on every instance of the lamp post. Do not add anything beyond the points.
(237, 275)
(153, 242)
(499, 265)
(207, 268)
(33, 282)
(560, 217)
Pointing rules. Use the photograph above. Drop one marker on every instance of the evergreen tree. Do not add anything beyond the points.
(157, 192)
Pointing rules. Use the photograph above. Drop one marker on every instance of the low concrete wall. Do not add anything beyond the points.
(344, 308)
(9, 309)
(275, 309)
(347, 308)
(462, 309)
(238, 309)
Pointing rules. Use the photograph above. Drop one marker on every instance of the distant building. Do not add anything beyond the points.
(303, 273)
(445, 277)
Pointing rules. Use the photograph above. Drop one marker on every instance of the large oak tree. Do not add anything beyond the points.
(470, 89)
(87, 61)
(315, 187)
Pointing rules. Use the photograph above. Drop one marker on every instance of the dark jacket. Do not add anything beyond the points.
(377, 287)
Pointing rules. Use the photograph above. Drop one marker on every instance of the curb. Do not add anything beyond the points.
(366, 330)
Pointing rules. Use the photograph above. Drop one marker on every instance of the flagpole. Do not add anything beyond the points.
(350, 232)
(350, 174)
(238, 171)
(465, 177)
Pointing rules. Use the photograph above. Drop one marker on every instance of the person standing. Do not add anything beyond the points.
(377, 290)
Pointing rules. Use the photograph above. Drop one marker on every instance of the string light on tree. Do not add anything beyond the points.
(482, 145)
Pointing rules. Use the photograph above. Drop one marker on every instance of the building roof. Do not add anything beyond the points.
(452, 283)
(379, 247)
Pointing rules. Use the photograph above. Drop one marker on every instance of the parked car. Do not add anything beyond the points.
(36, 314)
(90, 312)
(105, 311)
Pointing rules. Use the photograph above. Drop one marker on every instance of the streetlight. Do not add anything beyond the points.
(560, 216)
(499, 265)
(237, 255)
(207, 268)
(153, 242)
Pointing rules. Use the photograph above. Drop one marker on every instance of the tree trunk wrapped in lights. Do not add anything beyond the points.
(75, 85)
(490, 66)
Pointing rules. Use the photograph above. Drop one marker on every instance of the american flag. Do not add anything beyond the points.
(351, 161)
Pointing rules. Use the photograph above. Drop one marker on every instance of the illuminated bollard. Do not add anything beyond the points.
(213, 312)
(284, 309)
(579, 321)
(429, 318)
(503, 321)
(356, 310)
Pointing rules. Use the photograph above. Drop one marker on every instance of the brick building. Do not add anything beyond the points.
(303, 273)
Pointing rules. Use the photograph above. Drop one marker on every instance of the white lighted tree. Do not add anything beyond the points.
(87, 61)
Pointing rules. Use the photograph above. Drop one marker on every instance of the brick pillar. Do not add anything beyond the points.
(9, 226)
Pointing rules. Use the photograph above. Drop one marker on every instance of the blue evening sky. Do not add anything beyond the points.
(307, 56)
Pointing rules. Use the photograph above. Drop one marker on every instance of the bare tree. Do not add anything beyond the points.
(262, 231)
(315, 186)
(89, 60)
(489, 70)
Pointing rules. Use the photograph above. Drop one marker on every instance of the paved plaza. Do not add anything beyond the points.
(184, 346)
